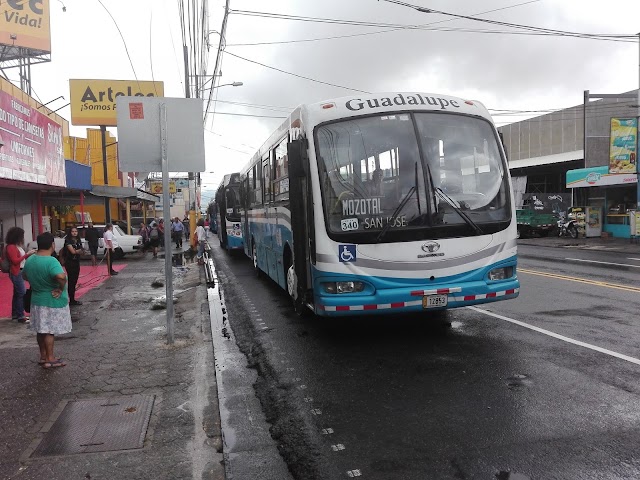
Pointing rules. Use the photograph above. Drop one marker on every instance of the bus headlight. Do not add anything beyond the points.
(343, 287)
(500, 273)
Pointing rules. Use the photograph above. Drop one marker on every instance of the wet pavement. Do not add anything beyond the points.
(595, 243)
(540, 387)
(117, 352)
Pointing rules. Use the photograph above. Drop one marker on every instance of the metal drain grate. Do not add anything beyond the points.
(98, 425)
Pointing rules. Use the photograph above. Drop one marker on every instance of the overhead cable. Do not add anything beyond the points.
(295, 74)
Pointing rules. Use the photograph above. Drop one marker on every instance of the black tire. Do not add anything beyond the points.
(573, 231)
(544, 233)
(118, 254)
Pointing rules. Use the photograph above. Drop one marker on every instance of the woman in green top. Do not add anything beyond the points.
(50, 314)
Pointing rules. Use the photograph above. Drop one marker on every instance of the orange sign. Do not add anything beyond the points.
(136, 111)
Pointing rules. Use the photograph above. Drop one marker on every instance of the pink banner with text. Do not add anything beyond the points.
(31, 148)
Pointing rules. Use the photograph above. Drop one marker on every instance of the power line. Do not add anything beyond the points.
(550, 31)
(533, 31)
(124, 42)
(153, 78)
(254, 105)
(295, 74)
(247, 115)
(384, 31)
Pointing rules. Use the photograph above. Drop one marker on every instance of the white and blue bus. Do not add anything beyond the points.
(384, 203)
(227, 210)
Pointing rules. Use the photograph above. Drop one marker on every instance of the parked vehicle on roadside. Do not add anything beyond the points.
(532, 222)
(567, 228)
(126, 243)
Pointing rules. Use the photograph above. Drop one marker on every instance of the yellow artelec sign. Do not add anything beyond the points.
(93, 102)
(25, 23)
(156, 187)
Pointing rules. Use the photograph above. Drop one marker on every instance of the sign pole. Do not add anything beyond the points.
(105, 172)
(168, 269)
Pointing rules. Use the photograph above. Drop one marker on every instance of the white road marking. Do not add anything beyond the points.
(631, 258)
(558, 336)
(602, 263)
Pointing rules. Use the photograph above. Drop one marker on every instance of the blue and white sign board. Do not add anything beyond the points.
(347, 253)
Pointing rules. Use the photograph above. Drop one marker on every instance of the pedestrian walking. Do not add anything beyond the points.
(185, 224)
(50, 315)
(176, 232)
(161, 231)
(72, 252)
(110, 245)
(92, 236)
(200, 236)
(15, 253)
(144, 231)
(154, 238)
(206, 227)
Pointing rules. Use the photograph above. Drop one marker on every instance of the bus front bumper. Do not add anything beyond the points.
(412, 300)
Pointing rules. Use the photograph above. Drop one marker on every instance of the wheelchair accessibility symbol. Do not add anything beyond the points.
(347, 253)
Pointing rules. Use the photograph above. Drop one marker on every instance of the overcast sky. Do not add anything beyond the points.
(503, 71)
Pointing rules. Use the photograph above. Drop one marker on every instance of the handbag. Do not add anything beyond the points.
(5, 264)
(27, 300)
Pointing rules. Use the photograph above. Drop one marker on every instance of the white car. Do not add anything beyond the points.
(125, 243)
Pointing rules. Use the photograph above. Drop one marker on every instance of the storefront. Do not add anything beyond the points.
(615, 193)
(31, 160)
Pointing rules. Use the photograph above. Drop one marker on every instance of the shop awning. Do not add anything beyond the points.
(598, 177)
(123, 192)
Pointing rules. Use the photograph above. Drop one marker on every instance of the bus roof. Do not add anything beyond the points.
(368, 104)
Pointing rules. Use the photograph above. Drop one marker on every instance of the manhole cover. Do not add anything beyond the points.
(98, 425)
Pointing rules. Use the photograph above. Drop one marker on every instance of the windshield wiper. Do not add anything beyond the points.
(396, 212)
(459, 211)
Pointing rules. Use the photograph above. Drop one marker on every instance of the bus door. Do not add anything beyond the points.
(247, 191)
(301, 205)
(268, 257)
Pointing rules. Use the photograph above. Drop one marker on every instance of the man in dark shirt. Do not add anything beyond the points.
(92, 235)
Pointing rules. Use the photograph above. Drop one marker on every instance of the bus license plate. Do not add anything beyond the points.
(431, 301)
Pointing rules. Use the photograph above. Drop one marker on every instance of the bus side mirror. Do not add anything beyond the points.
(297, 153)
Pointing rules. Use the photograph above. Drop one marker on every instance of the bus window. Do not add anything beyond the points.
(257, 176)
(465, 163)
(266, 178)
(281, 182)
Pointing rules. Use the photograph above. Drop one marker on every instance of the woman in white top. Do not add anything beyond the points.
(201, 235)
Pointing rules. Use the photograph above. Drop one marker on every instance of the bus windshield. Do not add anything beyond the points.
(232, 203)
(411, 176)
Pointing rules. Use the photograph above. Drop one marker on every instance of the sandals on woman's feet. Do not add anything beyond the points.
(42, 362)
(54, 364)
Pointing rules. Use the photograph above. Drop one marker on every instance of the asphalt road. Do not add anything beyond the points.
(541, 387)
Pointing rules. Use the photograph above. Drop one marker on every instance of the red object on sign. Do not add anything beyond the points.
(136, 111)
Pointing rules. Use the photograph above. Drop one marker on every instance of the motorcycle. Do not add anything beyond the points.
(567, 228)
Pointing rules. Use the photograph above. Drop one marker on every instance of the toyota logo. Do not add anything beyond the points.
(430, 247)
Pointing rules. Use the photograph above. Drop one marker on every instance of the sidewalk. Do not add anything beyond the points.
(609, 244)
(123, 388)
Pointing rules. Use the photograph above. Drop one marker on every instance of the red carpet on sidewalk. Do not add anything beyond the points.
(90, 278)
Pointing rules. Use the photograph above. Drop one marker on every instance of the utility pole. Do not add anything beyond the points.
(105, 171)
